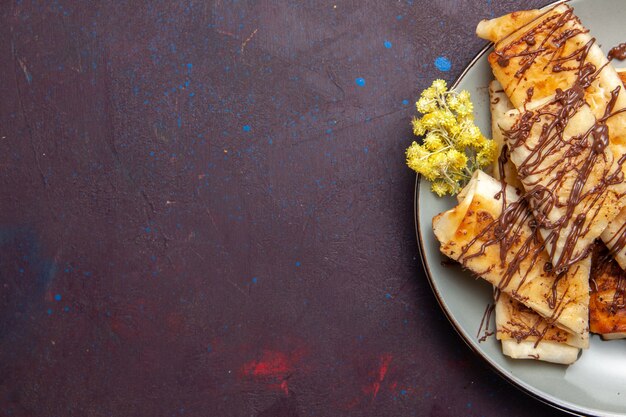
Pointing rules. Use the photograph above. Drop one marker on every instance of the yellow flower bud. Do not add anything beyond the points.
(418, 127)
(440, 86)
(433, 142)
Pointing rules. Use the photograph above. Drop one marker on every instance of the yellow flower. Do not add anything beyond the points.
(456, 160)
(447, 119)
(416, 153)
(464, 109)
(439, 162)
(470, 132)
(426, 105)
(440, 188)
(418, 127)
(431, 120)
(452, 100)
(455, 131)
(433, 142)
(488, 153)
(451, 139)
(464, 97)
(440, 86)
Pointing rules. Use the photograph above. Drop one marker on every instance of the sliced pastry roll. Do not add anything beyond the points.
(614, 236)
(526, 335)
(537, 52)
(573, 181)
(523, 333)
(491, 233)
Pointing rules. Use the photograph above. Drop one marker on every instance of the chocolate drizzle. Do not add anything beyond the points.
(484, 324)
(618, 52)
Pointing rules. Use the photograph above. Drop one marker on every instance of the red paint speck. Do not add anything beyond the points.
(384, 366)
(274, 368)
(374, 388)
(271, 364)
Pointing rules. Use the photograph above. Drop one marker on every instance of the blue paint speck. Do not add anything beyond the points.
(405, 102)
(189, 66)
(57, 297)
(329, 131)
(360, 81)
(49, 311)
(388, 296)
(255, 280)
(443, 64)
(147, 229)
(151, 153)
(403, 392)
(366, 150)
(388, 45)
(298, 264)
(399, 17)
(179, 122)
(66, 309)
(192, 94)
(246, 128)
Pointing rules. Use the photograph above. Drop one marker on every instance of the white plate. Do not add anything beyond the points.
(596, 383)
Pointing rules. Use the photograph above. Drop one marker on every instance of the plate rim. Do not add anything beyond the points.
(545, 398)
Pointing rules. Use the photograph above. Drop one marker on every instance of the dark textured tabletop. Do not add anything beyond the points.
(205, 210)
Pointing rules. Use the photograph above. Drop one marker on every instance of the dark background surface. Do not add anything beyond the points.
(205, 211)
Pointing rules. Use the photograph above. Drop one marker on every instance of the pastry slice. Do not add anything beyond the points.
(614, 236)
(607, 304)
(526, 335)
(491, 233)
(537, 52)
(572, 179)
(523, 333)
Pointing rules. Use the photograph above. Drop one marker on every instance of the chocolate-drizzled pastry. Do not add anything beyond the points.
(526, 335)
(523, 333)
(572, 181)
(493, 233)
(567, 136)
(614, 236)
(555, 58)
